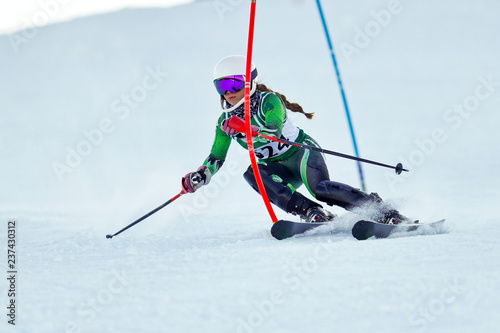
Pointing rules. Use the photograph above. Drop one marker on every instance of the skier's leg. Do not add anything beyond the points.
(313, 170)
(314, 173)
(343, 195)
(278, 181)
(350, 198)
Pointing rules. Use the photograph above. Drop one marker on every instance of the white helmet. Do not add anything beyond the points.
(234, 65)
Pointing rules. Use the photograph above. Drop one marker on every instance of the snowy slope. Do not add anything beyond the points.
(102, 116)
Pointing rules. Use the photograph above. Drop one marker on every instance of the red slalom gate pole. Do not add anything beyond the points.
(248, 128)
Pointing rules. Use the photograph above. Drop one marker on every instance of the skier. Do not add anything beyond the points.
(283, 168)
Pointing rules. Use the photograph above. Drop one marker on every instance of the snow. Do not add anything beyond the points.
(102, 116)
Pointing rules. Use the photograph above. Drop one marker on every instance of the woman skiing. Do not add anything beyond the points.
(283, 168)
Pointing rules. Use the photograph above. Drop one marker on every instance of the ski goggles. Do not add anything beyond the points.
(232, 84)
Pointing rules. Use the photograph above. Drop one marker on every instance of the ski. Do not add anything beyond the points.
(366, 229)
(285, 229)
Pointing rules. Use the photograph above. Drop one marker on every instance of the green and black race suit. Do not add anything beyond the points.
(283, 168)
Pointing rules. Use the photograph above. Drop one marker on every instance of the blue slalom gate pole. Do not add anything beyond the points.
(344, 99)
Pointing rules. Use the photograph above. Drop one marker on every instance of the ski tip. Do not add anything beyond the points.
(361, 230)
(364, 229)
(283, 229)
(278, 232)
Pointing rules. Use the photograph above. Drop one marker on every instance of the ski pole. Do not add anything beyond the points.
(237, 124)
(342, 92)
(147, 215)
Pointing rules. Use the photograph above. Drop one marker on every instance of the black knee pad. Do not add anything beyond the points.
(279, 193)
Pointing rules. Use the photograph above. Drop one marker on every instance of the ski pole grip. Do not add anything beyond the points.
(238, 124)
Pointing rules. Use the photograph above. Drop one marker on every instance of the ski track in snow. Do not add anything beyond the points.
(207, 263)
(229, 280)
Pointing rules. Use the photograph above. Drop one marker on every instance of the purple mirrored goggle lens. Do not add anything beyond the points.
(229, 83)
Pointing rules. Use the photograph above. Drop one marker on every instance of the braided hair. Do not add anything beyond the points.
(294, 107)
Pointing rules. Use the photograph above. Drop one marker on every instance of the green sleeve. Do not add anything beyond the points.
(275, 113)
(219, 150)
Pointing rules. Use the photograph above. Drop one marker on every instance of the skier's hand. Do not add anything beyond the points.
(229, 130)
(235, 126)
(194, 180)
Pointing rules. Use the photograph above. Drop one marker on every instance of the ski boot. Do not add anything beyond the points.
(318, 214)
(392, 216)
(387, 215)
